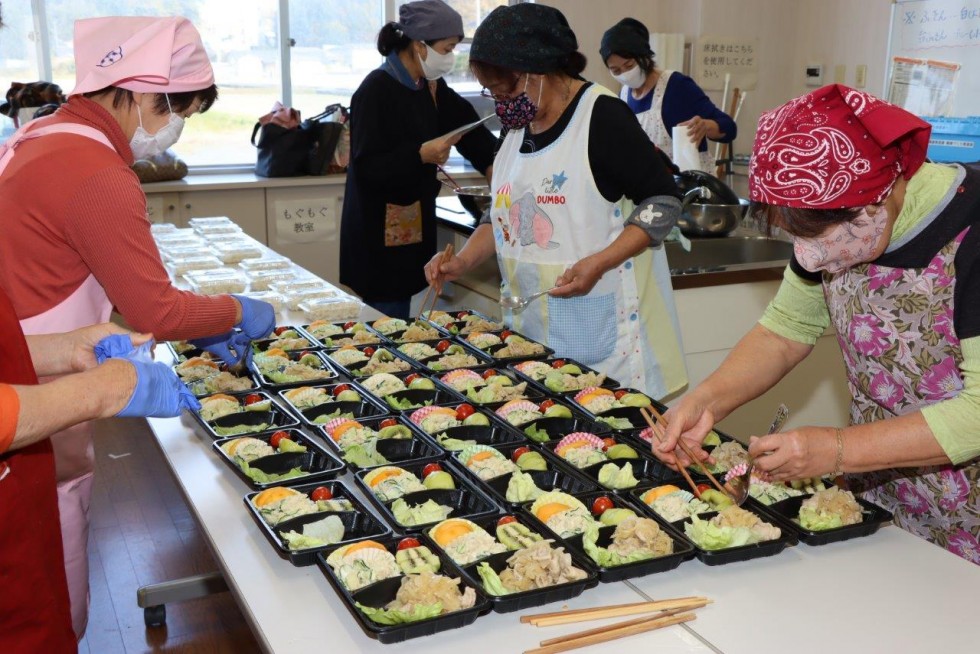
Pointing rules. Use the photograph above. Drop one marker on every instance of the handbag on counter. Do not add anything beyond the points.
(290, 147)
(327, 130)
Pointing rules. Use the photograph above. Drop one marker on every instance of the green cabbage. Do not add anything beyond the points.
(491, 581)
(364, 455)
(617, 478)
(420, 514)
(604, 557)
(616, 423)
(241, 429)
(323, 532)
(521, 488)
(537, 435)
(394, 616)
(261, 477)
(709, 536)
(453, 444)
(403, 403)
(814, 520)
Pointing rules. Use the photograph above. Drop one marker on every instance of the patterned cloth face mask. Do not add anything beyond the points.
(145, 145)
(845, 245)
(518, 112)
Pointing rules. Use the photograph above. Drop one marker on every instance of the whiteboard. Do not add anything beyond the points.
(946, 31)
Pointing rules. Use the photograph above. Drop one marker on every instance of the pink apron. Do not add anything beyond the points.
(73, 449)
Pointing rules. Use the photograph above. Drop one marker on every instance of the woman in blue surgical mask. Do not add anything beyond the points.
(399, 116)
(662, 99)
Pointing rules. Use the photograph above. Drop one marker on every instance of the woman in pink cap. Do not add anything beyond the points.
(76, 239)
(886, 251)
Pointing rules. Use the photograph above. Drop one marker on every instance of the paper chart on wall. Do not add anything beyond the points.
(306, 221)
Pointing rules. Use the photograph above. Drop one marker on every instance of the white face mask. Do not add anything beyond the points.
(436, 65)
(145, 145)
(633, 78)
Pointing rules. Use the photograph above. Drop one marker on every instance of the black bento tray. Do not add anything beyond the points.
(277, 417)
(683, 549)
(467, 500)
(359, 523)
(482, 359)
(558, 428)
(786, 511)
(296, 355)
(381, 592)
(320, 463)
(354, 370)
(492, 418)
(396, 336)
(493, 434)
(528, 598)
(367, 407)
(454, 327)
(244, 373)
(441, 394)
(491, 351)
(382, 340)
(645, 468)
(263, 344)
(559, 476)
(787, 538)
(608, 382)
(532, 392)
(398, 451)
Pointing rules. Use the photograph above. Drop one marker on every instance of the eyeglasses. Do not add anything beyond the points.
(486, 93)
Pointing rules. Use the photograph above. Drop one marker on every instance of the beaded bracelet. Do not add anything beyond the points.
(839, 462)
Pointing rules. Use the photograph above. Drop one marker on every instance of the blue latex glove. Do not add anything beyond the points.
(258, 317)
(121, 347)
(231, 347)
(159, 393)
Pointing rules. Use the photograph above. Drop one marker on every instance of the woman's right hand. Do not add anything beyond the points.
(690, 419)
(436, 151)
(437, 273)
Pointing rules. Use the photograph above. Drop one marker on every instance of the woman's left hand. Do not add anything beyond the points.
(579, 279)
(698, 128)
(797, 454)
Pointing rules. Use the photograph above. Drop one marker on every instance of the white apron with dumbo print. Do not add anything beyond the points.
(74, 453)
(547, 214)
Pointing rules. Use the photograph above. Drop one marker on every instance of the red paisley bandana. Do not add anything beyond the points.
(834, 148)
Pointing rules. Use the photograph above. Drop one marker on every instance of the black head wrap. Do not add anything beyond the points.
(530, 38)
(628, 38)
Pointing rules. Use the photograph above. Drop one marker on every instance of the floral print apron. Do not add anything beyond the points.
(901, 352)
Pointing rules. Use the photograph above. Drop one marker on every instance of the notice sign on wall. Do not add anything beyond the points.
(306, 221)
(717, 55)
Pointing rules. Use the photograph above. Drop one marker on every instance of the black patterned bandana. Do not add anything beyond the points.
(531, 38)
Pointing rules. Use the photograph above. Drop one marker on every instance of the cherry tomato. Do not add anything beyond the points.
(277, 437)
(442, 346)
(410, 378)
(703, 487)
(620, 393)
(430, 468)
(601, 505)
(557, 363)
(348, 325)
(368, 351)
(321, 493)
(507, 519)
(408, 543)
(462, 314)
(547, 404)
(252, 398)
(518, 453)
(340, 388)
(607, 443)
(464, 411)
(490, 372)
(388, 422)
(279, 330)
(504, 334)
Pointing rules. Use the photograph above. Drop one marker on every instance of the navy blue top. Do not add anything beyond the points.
(683, 100)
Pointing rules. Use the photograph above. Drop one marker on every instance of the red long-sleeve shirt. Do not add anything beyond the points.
(70, 207)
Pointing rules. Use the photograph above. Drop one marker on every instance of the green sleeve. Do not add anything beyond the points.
(956, 422)
(799, 311)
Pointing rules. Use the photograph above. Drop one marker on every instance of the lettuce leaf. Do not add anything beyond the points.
(603, 556)
(403, 403)
(241, 429)
(537, 435)
(323, 532)
(261, 477)
(813, 520)
(453, 444)
(521, 488)
(617, 478)
(419, 514)
(364, 455)
(616, 423)
(491, 582)
(709, 536)
(394, 616)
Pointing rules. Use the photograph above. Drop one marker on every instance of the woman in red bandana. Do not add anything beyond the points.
(886, 250)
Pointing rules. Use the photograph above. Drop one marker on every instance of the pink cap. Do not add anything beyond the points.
(141, 54)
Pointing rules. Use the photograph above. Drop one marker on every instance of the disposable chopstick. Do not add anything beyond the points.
(447, 254)
(690, 455)
(449, 177)
(612, 632)
(604, 629)
(612, 611)
(682, 469)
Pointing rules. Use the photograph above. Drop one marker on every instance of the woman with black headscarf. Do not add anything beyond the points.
(580, 201)
(662, 99)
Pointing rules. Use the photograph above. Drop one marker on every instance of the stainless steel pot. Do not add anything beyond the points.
(708, 209)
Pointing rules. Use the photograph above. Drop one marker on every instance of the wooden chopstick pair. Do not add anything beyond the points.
(662, 423)
(447, 254)
(671, 612)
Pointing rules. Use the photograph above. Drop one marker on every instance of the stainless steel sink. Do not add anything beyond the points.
(727, 253)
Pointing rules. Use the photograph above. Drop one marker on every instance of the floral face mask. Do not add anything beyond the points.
(518, 112)
(845, 245)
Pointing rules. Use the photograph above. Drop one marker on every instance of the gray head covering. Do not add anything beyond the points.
(429, 20)
(531, 38)
(628, 38)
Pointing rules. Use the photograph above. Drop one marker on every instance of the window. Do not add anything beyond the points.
(331, 48)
